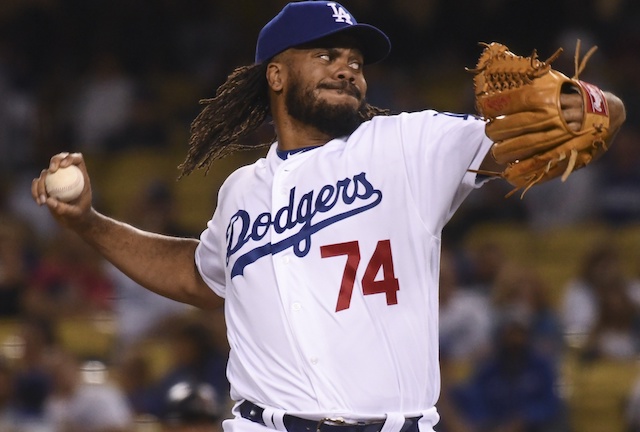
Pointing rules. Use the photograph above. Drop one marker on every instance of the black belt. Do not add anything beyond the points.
(253, 412)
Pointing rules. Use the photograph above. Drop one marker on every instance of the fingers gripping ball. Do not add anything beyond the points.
(519, 97)
(66, 184)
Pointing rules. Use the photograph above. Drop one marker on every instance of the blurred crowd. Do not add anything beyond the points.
(518, 355)
(84, 348)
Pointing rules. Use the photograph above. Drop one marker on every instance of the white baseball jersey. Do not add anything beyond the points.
(329, 262)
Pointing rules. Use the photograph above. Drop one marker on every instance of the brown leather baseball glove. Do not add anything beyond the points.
(519, 97)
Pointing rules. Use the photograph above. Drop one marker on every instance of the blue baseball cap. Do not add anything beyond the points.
(302, 22)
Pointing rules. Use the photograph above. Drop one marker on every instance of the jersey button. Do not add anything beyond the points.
(314, 360)
(286, 259)
(296, 307)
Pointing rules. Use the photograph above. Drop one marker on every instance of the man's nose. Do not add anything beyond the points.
(344, 72)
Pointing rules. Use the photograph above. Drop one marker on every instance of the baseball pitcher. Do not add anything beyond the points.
(325, 253)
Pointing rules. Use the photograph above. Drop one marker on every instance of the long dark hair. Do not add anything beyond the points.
(240, 106)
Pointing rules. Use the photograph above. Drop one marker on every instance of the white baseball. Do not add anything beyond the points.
(66, 184)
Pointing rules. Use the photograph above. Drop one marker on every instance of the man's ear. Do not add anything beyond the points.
(275, 76)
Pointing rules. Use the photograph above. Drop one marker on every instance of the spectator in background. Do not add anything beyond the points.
(197, 357)
(11, 419)
(103, 105)
(485, 261)
(14, 266)
(601, 270)
(519, 289)
(144, 128)
(79, 406)
(632, 409)
(514, 389)
(14, 207)
(154, 210)
(616, 331)
(69, 280)
(136, 379)
(7, 410)
(139, 311)
(557, 205)
(32, 376)
(465, 323)
(486, 206)
(465, 336)
(19, 115)
(618, 186)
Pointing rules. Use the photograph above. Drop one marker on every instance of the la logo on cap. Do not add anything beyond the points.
(341, 15)
(303, 22)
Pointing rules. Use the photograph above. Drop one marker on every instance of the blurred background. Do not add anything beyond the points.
(540, 296)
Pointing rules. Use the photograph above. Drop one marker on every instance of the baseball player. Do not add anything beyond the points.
(325, 253)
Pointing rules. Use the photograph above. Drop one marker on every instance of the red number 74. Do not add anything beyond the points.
(381, 258)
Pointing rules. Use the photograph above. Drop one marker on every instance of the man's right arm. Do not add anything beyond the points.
(160, 263)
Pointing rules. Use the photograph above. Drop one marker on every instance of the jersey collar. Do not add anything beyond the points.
(284, 154)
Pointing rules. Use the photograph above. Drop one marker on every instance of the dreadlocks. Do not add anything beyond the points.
(239, 107)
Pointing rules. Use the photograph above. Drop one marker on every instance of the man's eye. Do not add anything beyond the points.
(356, 65)
(325, 57)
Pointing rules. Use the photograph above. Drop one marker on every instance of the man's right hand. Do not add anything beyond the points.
(74, 213)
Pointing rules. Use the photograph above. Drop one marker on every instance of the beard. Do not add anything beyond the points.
(332, 120)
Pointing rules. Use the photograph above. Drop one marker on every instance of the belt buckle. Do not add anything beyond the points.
(338, 421)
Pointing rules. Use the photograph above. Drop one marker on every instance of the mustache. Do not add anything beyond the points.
(345, 86)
